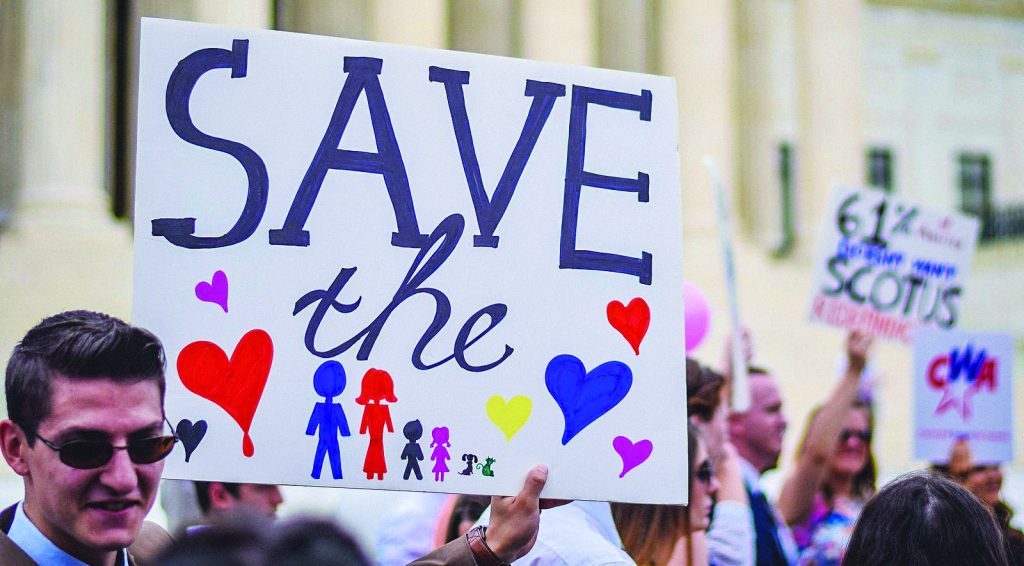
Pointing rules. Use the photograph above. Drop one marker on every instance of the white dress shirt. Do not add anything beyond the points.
(34, 543)
(582, 532)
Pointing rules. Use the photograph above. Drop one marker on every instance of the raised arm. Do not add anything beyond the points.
(799, 489)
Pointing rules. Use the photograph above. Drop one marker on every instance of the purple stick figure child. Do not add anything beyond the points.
(440, 454)
(328, 417)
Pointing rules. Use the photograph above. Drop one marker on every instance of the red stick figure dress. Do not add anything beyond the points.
(377, 386)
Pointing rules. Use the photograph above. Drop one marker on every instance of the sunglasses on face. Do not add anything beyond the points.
(705, 472)
(977, 469)
(863, 435)
(90, 454)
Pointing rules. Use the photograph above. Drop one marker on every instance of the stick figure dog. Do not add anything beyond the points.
(469, 459)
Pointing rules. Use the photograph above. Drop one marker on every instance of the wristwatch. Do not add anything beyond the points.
(481, 552)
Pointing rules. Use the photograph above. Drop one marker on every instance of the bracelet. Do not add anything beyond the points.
(481, 551)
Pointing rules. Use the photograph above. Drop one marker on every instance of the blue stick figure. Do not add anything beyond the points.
(328, 381)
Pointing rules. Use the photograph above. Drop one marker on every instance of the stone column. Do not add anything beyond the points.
(423, 23)
(11, 104)
(238, 13)
(343, 18)
(63, 101)
(764, 54)
(698, 49)
(484, 26)
(830, 106)
(560, 32)
(627, 38)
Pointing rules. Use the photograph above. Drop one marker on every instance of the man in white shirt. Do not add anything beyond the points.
(757, 435)
(87, 433)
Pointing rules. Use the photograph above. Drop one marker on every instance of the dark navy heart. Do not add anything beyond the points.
(584, 396)
(190, 435)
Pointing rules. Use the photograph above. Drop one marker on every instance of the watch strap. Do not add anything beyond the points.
(482, 553)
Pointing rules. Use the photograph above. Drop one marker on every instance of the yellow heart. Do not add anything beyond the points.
(510, 416)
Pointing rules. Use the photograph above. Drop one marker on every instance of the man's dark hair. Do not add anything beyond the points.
(924, 519)
(203, 493)
(239, 541)
(306, 540)
(76, 345)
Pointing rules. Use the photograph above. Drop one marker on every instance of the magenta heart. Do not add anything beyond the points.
(632, 454)
(216, 291)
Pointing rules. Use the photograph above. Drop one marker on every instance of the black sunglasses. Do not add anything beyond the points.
(90, 454)
(863, 435)
(705, 472)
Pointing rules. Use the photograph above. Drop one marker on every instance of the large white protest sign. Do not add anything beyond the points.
(963, 388)
(886, 267)
(377, 266)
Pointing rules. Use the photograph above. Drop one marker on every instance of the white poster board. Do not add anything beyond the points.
(372, 263)
(885, 266)
(963, 387)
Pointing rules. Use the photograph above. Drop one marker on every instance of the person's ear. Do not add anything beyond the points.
(220, 498)
(735, 424)
(14, 444)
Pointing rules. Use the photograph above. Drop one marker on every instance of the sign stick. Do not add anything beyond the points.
(740, 388)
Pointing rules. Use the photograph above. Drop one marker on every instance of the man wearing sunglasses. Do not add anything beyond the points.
(87, 433)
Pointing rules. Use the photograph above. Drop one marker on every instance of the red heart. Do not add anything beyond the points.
(631, 321)
(236, 385)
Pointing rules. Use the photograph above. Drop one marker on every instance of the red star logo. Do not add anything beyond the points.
(961, 403)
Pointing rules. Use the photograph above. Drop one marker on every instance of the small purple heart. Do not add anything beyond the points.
(632, 454)
(216, 291)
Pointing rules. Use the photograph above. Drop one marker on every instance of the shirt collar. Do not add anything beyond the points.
(601, 513)
(34, 543)
(751, 476)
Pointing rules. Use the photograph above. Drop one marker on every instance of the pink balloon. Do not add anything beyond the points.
(698, 316)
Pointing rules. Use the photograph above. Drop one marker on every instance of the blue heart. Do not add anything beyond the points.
(190, 435)
(584, 396)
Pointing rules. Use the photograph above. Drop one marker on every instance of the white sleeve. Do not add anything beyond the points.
(731, 535)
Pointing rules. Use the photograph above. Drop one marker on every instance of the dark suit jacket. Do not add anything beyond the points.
(151, 540)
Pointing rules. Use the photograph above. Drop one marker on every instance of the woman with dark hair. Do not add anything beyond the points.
(925, 520)
(835, 470)
(662, 534)
(730, 538)
(985, 481)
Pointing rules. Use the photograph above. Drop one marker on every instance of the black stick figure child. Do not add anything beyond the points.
(412, 454)
(328, 417)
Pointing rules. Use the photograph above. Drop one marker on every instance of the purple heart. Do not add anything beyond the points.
(216, 291)
(632, 454)
(585, 396)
